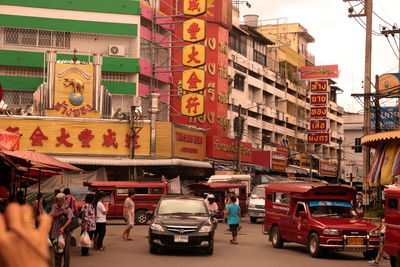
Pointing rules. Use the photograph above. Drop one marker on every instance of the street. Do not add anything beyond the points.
(252, 250)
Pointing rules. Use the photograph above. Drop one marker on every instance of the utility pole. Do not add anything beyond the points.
(239, 135)
(367, 87)
(339, 156)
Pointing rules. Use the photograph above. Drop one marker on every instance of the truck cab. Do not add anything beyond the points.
(321, 217)
(392, 220)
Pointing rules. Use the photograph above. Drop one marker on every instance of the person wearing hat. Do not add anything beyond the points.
(62, 217)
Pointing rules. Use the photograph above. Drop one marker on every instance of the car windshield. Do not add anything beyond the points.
(182, 207)
(332, 209)
(258, 192)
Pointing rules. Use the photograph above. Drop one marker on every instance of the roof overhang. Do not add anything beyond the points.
(134, 162)
(374, 139)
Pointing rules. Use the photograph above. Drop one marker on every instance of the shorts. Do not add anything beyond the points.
(382, 239)
(233, 228)
(130, 221)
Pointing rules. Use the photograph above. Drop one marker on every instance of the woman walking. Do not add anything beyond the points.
(88, 220)
(232, 214)
(101, 212)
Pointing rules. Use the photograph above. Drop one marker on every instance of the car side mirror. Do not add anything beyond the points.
(303, 214)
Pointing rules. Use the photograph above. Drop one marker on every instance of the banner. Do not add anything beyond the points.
(319, 72)
(374, 173)
(387, 165)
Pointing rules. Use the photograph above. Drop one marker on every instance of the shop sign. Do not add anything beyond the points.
(262, 158)
(318, 138)
(194, 55)
(193, 80)
(327, 168)
(189, 144)
(319, 86)
(319, 72)
(318, 125)
(73, 91)
(194, 7)
(72, 137)
(279, 159)
(225, 148)
(192, 105)
(319, 99)
(319, 112)
(194, 30)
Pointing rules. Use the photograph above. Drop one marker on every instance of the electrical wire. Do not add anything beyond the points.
(391, 46)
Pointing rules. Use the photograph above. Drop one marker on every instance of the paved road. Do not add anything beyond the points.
(253, 251)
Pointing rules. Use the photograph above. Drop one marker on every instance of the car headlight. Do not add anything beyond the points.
(156, 227)
(374, 232)
(331, 232)
(205, 229)
(252, 206)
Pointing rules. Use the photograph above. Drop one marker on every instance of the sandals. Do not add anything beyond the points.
(234, 242)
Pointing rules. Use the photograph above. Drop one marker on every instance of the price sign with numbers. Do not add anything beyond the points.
(319, 86)
(319, 99)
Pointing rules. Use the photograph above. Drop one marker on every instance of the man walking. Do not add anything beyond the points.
(62, 217)
(129, 215)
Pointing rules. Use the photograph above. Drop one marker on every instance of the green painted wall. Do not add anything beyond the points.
(36, 59)
(120, 88)
(20, 83)
(68, 25)
(115, 6)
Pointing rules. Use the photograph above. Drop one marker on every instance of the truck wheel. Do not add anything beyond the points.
(313, 247)
(141, 217)
(371, 254)
(253, 219)
(276, 238)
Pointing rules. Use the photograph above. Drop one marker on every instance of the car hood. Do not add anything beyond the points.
(257, 201)
(181, 220)
(344, 223)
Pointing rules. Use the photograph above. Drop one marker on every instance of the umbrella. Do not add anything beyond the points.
(40, 158)
(9, 140)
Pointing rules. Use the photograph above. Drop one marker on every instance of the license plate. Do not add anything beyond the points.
(354, 249)
(181, 238)
(355, 241)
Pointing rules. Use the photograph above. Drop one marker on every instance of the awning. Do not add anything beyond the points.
(377, 137)
(134, 162)
(296, 169)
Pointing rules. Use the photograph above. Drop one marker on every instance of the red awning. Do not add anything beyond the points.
(8, 140)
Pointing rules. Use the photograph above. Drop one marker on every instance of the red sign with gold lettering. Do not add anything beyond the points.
(319, 86)
(319, 99)
(318, 112)
(225, 148)
(318, 125)
(318, 138)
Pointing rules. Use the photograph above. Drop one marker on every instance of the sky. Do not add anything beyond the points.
(338, 38)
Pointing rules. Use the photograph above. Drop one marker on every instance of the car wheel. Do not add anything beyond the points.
(209, 250)
(141, 217)
(276, 238)
(253, 219)
(313, 247)
(371, 254)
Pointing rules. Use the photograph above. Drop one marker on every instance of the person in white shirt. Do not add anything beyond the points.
(129, 215)
(101, 212)
(213, 209)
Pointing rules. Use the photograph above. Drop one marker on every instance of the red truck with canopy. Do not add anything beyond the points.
(319, 216)
(392, 220)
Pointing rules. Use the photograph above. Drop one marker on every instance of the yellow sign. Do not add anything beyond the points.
(193, 80)
(189, 144)
(194, 55)
(164, 140)
(78, 136)
(194, 30)
(73, 91)
(192, 105)
(194, 7)
(389, 82)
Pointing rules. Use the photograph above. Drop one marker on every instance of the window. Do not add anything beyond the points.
(37, 38)
(141, 191)
(300, 207)
(238, 82)
(238, 43)
(239, 67)
(259, 58)
(392, 203)
(281, 198)
(157, 191)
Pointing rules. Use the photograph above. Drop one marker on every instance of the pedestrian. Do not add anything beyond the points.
(62, 217)
(129, 215)
(37, 206)
(71, 202)
(226, 200)
(88, 215)
(382, 231)
(101, 221)
(212, 209)
(232, 215)
(233, 194)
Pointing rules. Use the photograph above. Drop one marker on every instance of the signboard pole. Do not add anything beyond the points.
(339, 169)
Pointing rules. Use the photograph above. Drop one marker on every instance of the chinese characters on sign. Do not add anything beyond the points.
(194, 30)
(193, 80)
(194, 7)
(194, 55)
(192, 104)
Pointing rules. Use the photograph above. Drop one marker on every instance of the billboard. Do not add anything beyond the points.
(318, 138)
(319, 72)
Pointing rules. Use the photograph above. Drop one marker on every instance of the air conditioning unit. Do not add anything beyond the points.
(116, 50)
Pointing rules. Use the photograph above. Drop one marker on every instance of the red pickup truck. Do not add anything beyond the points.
(319, 216)
(392, 220)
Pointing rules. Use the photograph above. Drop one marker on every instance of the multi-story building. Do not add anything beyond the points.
(264, 66)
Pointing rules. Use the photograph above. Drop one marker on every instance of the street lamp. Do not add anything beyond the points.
(237, 3)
